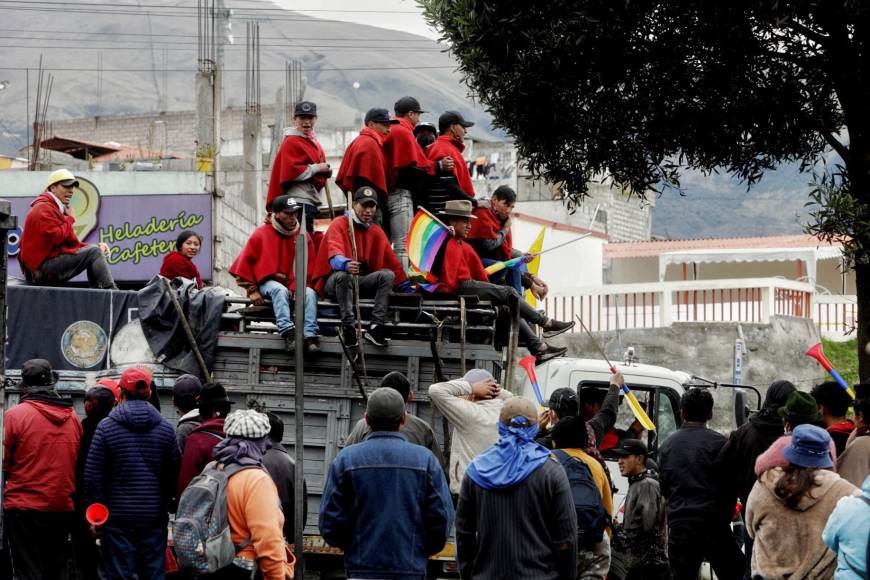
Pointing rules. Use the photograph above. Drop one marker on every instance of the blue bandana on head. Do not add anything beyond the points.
(513, 458)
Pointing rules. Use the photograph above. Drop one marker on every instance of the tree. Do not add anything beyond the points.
(636, 91)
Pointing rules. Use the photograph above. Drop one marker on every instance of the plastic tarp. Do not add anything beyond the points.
(164, 331)
(807, 255)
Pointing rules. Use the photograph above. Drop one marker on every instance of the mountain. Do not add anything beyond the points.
(148, 56)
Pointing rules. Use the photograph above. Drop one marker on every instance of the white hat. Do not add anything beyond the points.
(62, 175)
(247, 423)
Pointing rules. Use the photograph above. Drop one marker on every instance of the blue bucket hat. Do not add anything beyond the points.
(810, 447)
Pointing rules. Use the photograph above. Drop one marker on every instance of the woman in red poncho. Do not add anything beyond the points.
(179, 263)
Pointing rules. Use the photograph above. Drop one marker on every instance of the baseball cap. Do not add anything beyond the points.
(565, 402)
(63, 176)
(632, 447)
(247, 424)
(407, 105)
(136, 379)
(110, 384)
(186, 386)
(385, 404)
(285, 203)
(425, 125)
(37, 372)
(379, 116)
(518, 411)
(365, 194)
(449, 118)
(305, 109)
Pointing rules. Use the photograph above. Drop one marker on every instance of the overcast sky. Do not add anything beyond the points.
(401, 15)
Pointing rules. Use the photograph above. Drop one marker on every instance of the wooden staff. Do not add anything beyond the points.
(359, 332)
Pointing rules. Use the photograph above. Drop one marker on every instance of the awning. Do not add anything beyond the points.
(807, 255)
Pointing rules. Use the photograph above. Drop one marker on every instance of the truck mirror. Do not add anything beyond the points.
(741, 411)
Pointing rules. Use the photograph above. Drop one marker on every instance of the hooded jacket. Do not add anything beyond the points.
(788, 542)
(47, 233)
(846, 534)
(132, 467)
(40, 444)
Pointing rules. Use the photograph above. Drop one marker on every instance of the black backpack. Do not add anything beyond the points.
(592, 518)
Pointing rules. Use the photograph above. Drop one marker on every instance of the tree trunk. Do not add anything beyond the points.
(862, 290)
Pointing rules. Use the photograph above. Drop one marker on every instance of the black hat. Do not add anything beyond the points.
(379, 116)
(632, 447)
(425, 125)
(407, 105)
(285, 203)
(37, 373)
(186, 386)
(449, 118)
(365, 194)
(305, 109)
(213, 393)
(565, 402)
(459, 208)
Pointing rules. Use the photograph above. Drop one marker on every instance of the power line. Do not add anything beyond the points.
(79, 33)
(190, 47)
(193, 8)
(187, 70)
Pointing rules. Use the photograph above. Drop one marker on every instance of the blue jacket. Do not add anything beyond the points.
(132, 466)
(387, 505)
(847, 533)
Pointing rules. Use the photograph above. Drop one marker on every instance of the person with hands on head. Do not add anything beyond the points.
(266, 268)
(179, 263)
(51, 253)
(300, 169)
(376, 266)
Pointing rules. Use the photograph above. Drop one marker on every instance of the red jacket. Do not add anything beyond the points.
(364, 158)
(40, 445)
(402, 150)
(292, 160)
(268, 255)
(373, 250)
(48, 233)
(460, 263)
(447, 146)
(197, 450)
(486, 227)
(177, 265)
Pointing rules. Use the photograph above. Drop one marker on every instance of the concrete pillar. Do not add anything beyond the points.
(253, 155)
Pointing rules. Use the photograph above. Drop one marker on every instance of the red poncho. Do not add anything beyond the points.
(460, 263)
(364, 158)
(48, 233)
(402, 150)
(447, 146)
(293, 158)
(270, 256)
(177, 265)
(373, 250)
(486, 227)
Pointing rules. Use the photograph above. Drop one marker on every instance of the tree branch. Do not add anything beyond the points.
(808, 32)
(837, 145)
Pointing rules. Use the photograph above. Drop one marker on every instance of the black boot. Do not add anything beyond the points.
(548, 353)
(289, 337)
(556, 327)
(312, 345)
(348, 334)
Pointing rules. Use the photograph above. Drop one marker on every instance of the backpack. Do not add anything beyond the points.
(592, 518)
(201, 531)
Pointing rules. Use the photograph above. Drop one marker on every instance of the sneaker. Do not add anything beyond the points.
(312, 345)
(348, 335)
(555, 327)
(289, 337)
(375, 335)
(549, 353)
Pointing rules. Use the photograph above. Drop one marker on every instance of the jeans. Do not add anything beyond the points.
(377, 284)
(690, 542)
(279, 294)
(501, 295)
(128, 551)
(38, 543)
(509, 276)
(67, 266)
(401, 209)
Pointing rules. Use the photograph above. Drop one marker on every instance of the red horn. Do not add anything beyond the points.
(817, 353)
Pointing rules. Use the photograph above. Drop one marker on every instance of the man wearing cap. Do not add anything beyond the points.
(214, 406)
(185, 399)
(363, 163)
(644, 526)
(385, 502)
(132, 469)
(425, 133)
(51, 253)
(415, 429)
(450, 143)
(266, 269)
(300, 169)
(407, 168)
(375, 264)
(40, 444)
(516, 516)
(462, 273)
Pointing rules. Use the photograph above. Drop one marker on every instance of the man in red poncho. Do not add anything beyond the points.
(407, 169)
(265, 268)
(375, 263)
(462, 273)
(300, 169)
(51, 253)
(490, 236)
(363, 163)
(452, 127)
